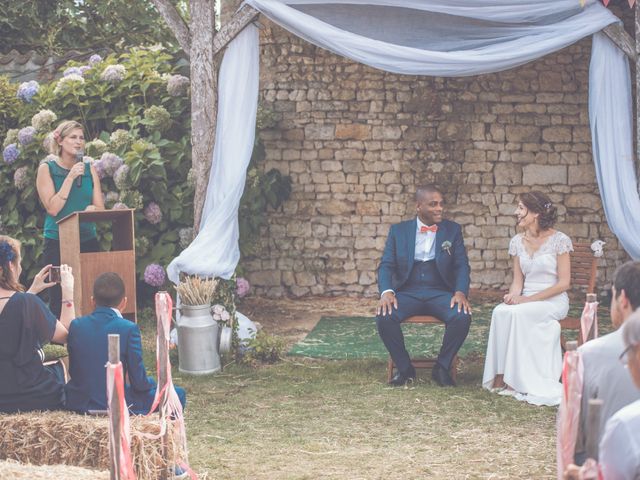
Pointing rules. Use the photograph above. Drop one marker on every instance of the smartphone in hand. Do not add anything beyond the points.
(54, 274)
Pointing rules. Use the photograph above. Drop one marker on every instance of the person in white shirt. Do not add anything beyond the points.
(619, 449)
(604, 376)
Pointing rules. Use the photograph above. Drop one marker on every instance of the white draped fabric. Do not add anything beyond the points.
(214, 251)
(420, 37)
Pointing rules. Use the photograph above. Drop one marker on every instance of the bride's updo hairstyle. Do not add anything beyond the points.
(538, 202)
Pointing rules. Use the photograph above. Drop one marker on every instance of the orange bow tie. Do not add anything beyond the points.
(433, 228)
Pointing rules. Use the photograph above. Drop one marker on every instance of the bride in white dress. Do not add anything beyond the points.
(524, 358)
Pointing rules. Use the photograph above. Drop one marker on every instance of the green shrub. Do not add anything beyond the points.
(264, 348)
(129, 110)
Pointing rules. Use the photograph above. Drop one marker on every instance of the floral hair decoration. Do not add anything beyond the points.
(6, 253)
(547, 205)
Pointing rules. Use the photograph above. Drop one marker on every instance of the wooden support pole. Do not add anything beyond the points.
(572, 345)
(593, 427)
(114, 359)
(163, 354)
(591, 334)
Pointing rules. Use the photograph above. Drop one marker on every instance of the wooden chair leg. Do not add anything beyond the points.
(454, 368)
(389, 369)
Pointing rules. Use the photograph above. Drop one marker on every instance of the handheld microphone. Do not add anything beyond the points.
(79, 158)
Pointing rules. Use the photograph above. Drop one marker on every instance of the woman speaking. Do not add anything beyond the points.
(65, 185)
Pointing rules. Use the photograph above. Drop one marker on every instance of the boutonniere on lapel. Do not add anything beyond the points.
(446, 245)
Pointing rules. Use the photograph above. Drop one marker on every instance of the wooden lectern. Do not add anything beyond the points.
(87, 266)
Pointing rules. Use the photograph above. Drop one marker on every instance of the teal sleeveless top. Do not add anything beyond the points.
(79, 199)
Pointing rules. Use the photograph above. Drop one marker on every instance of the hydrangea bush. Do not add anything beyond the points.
(136, 111)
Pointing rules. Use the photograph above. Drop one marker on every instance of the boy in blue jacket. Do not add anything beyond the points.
(88, 353)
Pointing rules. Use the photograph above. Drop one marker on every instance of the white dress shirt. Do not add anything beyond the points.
(425, 244)
(604, 378)
(619, 454)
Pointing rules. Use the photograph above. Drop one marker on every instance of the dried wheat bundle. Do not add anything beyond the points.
(10, 469)
(196, 290)
(54, 438)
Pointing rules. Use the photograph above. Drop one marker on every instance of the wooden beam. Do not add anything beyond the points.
(622, 39)
(116, 414)
(175, 23)
(236, 24)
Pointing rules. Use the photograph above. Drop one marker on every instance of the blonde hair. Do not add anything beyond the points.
(61, 131)
(6, 278)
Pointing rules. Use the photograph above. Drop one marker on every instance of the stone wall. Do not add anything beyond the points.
(357, 141)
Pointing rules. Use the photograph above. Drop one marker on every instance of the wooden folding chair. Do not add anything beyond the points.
(584, 269)
(423, 362)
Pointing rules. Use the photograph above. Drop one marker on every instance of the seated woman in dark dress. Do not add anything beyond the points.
(26, 325)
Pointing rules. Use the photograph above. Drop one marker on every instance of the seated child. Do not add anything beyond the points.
(88, 353)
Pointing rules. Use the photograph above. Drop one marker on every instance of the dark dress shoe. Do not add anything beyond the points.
(442, 377)
(401, 379)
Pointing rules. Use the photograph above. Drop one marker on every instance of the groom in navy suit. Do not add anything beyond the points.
(424, 271)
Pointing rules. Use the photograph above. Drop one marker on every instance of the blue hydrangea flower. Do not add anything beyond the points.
(113, 73)
(27, 90)
(72, 71)
(26, 135)
(95, 58)
(110, 163)
(11, 153)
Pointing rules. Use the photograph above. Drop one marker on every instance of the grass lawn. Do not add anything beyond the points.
(309, 419)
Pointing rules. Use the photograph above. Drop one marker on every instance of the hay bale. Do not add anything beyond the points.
(54, 438)
(10, 470)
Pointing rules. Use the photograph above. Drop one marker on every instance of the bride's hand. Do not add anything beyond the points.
(508, 299)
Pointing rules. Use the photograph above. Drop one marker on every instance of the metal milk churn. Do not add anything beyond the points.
(198, 337)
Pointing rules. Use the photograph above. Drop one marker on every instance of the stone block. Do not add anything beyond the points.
(557, 134)
(544, 175)
(582, 175)
(318, 131)
(453, 131)
(335, 207)
(266, 278)
(367, 278)
(523, 133)
(331, 166)
(508, 174)
(583, 201)
(305, 279)
(353, 131)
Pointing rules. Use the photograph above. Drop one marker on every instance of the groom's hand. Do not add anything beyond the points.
(460, 299)
(387, 302)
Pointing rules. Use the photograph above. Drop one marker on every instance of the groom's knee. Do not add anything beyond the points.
(460, 321)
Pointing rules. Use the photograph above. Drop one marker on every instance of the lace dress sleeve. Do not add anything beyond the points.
(563, 244)
(513, 246)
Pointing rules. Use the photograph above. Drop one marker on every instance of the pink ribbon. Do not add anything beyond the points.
(569, 411)
(589, 319)
(166, 395)
(115, 381)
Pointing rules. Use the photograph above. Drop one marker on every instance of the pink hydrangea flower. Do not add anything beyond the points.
(152, 213)
(242, 286)
(154, 275)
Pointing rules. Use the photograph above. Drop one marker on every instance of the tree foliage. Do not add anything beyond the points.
(54, 26)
